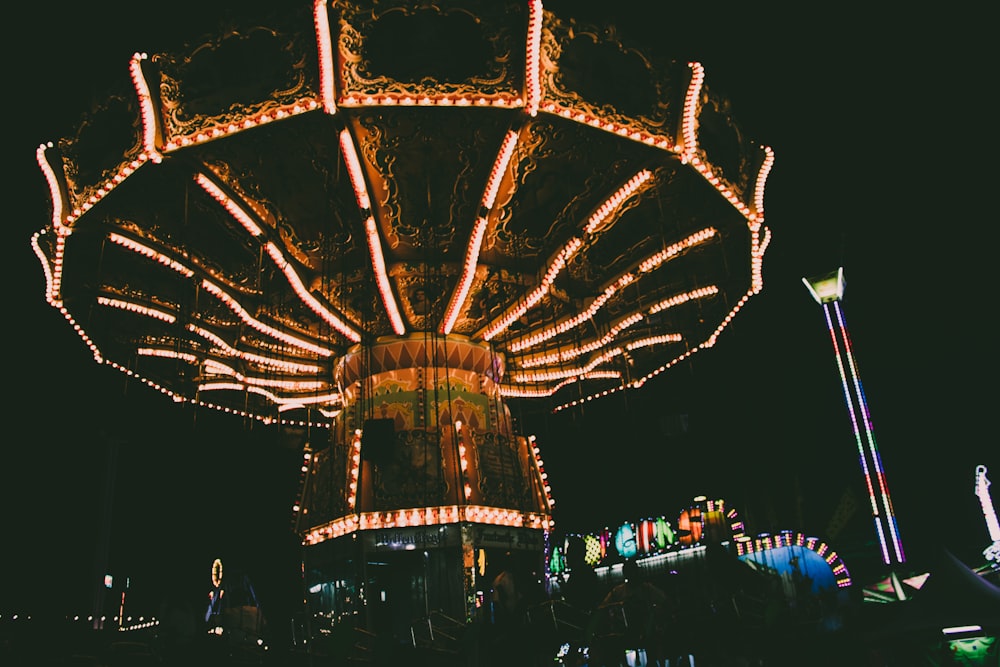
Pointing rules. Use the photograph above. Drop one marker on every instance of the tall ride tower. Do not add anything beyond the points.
(828, 290)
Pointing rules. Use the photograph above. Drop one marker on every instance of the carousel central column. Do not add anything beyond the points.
(439, 488)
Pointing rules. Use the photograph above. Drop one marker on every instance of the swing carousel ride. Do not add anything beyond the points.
(386, 220)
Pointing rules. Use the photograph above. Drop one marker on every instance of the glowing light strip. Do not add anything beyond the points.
(501, 100)
(586, 371)
(735, 525)
(536, 295)
(639, 382)
(279, 259)
(669, 557)
(271, 362)
(599, 375)
(50, 292)
(757, 259)
(75, 326)
(50, 178)
(212, 338)
(499, 169)
(242, 313)
(283, 402)
(178, 398)
(645, 266)
(653, 340)
(857, 433)
(594, 224)
(986, 502)
(528, 392)
(463, 461)
(263, 118)
(324, 47)
(604, 211)
(382, 278)
(722, 188)
(870, 436)
(106, 189)
(63, 227)
(476, 240)
(428, 516)
(678, 299)
(532, 60)
(306, 296)
(573, 353)
(217, 368)
(566, 325)
(564, 355)
(577, 320)
(765, 542)
(238, 386)
(303, 476)
(298, 402)
(133, 307)
(688, 150)
(292, 402)
(675, 249)
(540, 467)
(228, 203)
(765, 170)
(468, 273)
(534, 392)
(352, 493)
(150, 253)
(354, 170)
(292, 277)
(371, 231)
(883, 484)
(146, 110)
(545, 376)
(641, 136)
(689, 122)
(167, 354)
(634, 384)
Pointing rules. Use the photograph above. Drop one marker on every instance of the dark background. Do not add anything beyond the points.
(885, 152)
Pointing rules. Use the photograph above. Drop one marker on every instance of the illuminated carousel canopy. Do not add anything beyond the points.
(251, 222)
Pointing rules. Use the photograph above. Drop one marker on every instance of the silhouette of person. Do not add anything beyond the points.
(582, 589)
(507, 594)
(508, 599)
(642, 604)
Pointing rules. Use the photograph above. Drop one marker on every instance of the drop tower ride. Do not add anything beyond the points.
(828, 290)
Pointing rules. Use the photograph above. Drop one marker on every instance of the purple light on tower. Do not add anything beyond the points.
(828, 290)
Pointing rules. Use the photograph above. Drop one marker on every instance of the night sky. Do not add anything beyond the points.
(884, 165)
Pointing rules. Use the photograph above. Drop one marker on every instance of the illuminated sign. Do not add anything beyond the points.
(625, 542)
(411, 538)
(507, 537)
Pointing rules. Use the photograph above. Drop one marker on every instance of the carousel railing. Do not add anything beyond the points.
(437, 631)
